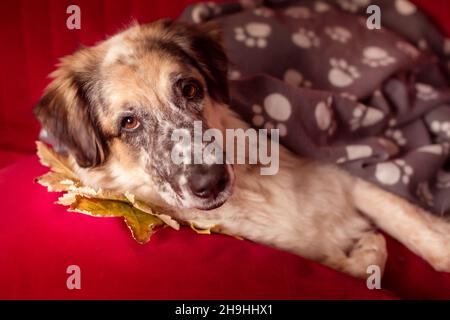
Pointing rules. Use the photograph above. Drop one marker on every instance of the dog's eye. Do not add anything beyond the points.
(190, 90)
(130, 123)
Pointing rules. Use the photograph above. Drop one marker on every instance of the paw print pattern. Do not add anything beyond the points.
(424, 193)
(253, 34)
(423, 44)
(426, 92)
(202, 11)
(405, 8)
(436, 149)
(391, 173)
(234, 74)
(325, 116)
(353, 5)
(355, 152)
(298, 12)
(263, 12)
(441, 128)
(295, 78)
(364, 117)
(341, 73)
(396, 135)
(338, 33)
(376, 57)
(279, 110)
(321, 7)
(305, 39)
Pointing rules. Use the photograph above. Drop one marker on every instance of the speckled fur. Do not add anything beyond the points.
(309, 208)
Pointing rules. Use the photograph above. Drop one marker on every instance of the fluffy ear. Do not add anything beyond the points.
(67, 113)
(203, 43)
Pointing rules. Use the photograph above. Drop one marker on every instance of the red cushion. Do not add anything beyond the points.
(39, 240)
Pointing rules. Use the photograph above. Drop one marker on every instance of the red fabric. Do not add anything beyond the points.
(38, 239)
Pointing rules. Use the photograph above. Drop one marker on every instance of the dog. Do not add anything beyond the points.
(112, 108)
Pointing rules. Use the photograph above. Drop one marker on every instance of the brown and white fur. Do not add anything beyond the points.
(113, 106)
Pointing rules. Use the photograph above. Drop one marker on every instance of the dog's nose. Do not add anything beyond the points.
(208, 181)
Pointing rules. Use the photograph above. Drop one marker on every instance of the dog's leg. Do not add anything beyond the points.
(426, 235)
(369, 250)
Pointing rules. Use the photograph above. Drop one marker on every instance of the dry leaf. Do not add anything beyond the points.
(200, 230)
(55, 181)
(141, 218)
(56, 162)
(141, 224)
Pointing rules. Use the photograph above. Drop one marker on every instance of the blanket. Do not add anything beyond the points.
(374, 100)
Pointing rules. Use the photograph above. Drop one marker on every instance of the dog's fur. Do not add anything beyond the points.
(309, 208)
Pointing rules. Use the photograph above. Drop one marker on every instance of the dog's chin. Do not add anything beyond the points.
(194, 202)
(210, 205)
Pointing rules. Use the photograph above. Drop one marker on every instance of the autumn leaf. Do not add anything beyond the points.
(142, 218)
(141, 224)
(200, 230)
(56, 182)
(55, 161)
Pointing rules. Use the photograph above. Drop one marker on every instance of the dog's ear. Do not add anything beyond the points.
(203, 43)
(66, 110)
(208, 45)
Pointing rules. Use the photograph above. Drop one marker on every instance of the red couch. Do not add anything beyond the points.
(39, 240)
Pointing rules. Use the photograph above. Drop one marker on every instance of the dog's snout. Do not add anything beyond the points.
(208, 182)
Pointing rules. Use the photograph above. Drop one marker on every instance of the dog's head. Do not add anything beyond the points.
(114, 106)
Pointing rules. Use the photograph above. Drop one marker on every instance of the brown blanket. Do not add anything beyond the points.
(375, 101)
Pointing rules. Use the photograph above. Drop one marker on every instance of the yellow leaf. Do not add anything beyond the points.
(55, 181)
(199, 230)
(141, 224)
(158, 211)
(55, 161)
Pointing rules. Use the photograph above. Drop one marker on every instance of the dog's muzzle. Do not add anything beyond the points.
(211, 185)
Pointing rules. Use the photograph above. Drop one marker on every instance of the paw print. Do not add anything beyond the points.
(296, 79)
(408, 49)
(338, 33)
(353, 5)
(424, 193)
(321, 7)
(254, 34)
(298, 12)
(364, 117)
(396, 135)
(376, 57)
(234, 74)
(278, 108)
(391, 173)
(441, 127)
(341, 73)
(405, 7)
(263, 12)
(355, 152)
(423, 45)
(203, 11)
(325, 116)
(305, 39)
(436, 149)
(426, 92)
